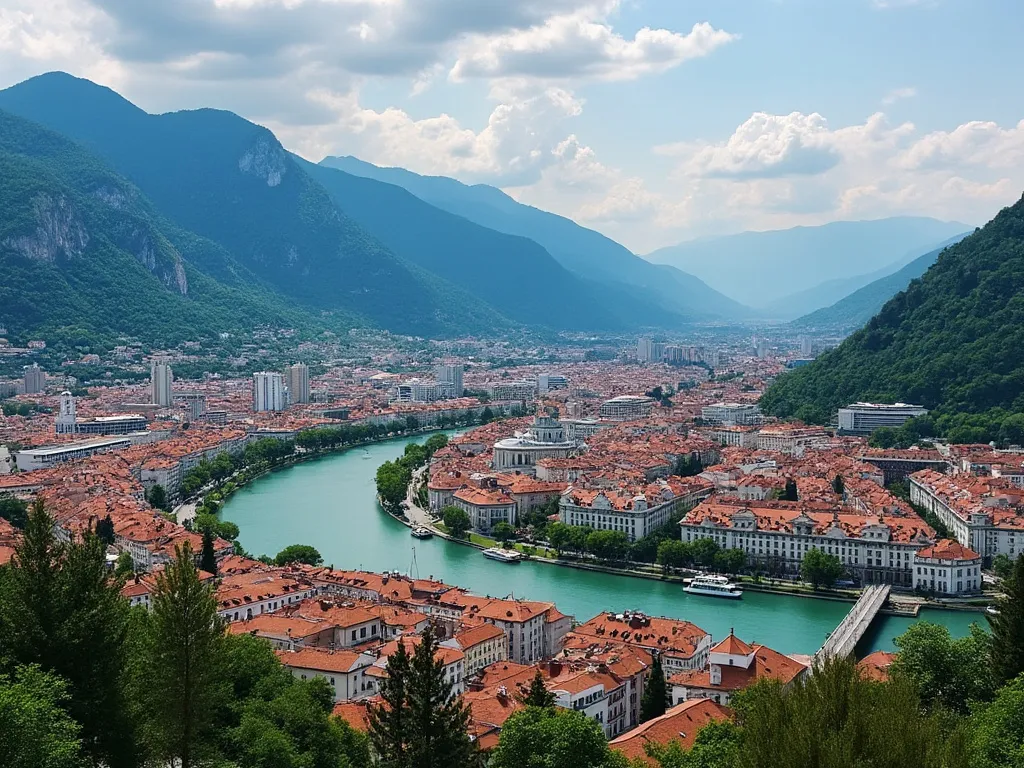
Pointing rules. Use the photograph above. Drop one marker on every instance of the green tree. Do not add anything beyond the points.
(182, 671)
(503, 532)
(125, 566)
(559, 536)
(13, 510)
(837, 485)
(551, 737)
(208, 558)
(951, 672)
(298, 553)
(435, 443)
(1007, 627)
(716, 745)
(1002, 566)
(673, 553)
(656, 695)
(35, 729)
(486, 415)
(731, 560)
(60, 610)
(538, 695)
(393, 479)
(997, 733)
(426, 726)
(607, 545)
(704, 552)
(820, 569)
(456, 521)
(105, 531)
(790, 492)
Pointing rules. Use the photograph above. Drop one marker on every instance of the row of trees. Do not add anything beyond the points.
(258, 454)
(86, 681)
(394, 477)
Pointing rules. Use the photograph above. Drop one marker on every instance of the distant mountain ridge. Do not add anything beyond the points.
(857, 308)
(764, 268)
(627, 277)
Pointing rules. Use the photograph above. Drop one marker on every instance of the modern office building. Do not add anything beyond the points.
(68, 423)
(298, 383)
(451, 374)
(35, 380)
(420, 391)
(865, 418)
(649, 351)
(626, 408)
(48, 456)
(732, 414)
(160, 379)
(194, 401)
(268, 391)
(513, 390)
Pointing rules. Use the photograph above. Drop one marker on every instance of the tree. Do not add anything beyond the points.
(688, 465)
(837, 485)
(1002, 566)
(13, 510)
(298, 553)
(607, 545)
(538, 695)
(208, 558)
(35, 729)
(820, 569)
(790, 493)
(435, 443)
(157, 497)
(550, 737)
(424, 725)
(125, 566)
(105, 531)
(486, 415)
(951, 672)
(183, 660)
(60, 610)
(704, 551)
(393, 479)
(716, 746)
(673, 553)
(1008, 627)
(731, 560)
(997, 733)
(559, 536)
(503, 532)
(456, 521)
(655, 697)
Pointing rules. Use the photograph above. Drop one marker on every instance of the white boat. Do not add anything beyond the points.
(503, 555)
(421, 532)
(992, 610)
(713, 586)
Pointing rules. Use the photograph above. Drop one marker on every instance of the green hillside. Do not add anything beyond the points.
(230, 181)
(953, 342)
(83, 252)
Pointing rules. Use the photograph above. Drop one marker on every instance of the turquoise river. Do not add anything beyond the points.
(330, 503)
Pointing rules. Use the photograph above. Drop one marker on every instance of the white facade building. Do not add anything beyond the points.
(160, 380)
(626, 408)
(298, 383)
(35, 380)
(67, 416)
(268, 391)
(451, 374)
(419, 391)
(948, 568)
(865, 418)
(544, 439)
(732, 414)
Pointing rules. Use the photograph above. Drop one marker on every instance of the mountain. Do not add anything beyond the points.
(230, 181)
(759, 268)
(628, 279)
(953, 341)
(857, 308)
(513, 274)
(83, 252)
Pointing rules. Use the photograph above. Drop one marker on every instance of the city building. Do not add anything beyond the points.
(268, 391)
(451, 374)
(732, 414)
(67, 418)
(482, 645)
(524, 391)
(195, 402)
(486, 506)
(649, 351)
(679, 725)
(544, 439)
(160, 380)
(947, 568)
(35, 380)
(298, 383)
(48, 456)
(420, 391)
(68, 423)
(626, 408)
(346, 671)
(791, 440)
(806, 346)
(865, 418)
(680, 644)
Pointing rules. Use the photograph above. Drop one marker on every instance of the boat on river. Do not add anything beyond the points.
(713, 586)
(503, 555)
(421, 532)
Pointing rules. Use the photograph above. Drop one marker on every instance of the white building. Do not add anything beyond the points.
(451, 374)
(35, 380)
(420, 391)
(523, 391)
(345, 671)
(865, 418)
(48, 456)
(732, 414)
(298, 382)
(947, 568)
(160, 380)
(67, 417)
(626, 408)
(544, 439)
(268, 391)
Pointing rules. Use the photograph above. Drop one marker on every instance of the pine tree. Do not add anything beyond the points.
(184, 664)
(105, 531)
(389, 721)
(1007, 626)
(655, 696)
(208, 559)
(538, 695)
(790, 494)
(837, 485)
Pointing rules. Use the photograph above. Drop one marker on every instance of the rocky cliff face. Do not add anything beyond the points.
(158, 256)
(59, 231)
(265, 160)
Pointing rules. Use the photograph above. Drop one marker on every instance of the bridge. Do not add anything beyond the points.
(852, 628)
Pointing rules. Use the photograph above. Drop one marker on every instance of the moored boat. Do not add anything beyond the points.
(713, 586)
(503, 555)
(421, 532)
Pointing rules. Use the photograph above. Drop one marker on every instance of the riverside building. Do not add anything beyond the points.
(732, 414)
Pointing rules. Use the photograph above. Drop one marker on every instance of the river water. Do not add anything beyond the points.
(331, 504)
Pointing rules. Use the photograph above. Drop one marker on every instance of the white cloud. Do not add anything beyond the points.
(898, 94)
(976, 143)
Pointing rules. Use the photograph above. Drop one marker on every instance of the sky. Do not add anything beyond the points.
(653, 121)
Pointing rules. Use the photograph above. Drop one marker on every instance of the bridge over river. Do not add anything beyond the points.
(845, 637)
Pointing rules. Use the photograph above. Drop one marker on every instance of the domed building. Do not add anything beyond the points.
(544, 439)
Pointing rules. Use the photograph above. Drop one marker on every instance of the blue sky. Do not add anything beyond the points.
(651, 120)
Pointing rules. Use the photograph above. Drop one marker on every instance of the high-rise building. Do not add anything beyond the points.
(35, 379)
(267, 391)
(67, 417)
(644, 350)
(298, 383)
(160, 379)
(452, 374)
